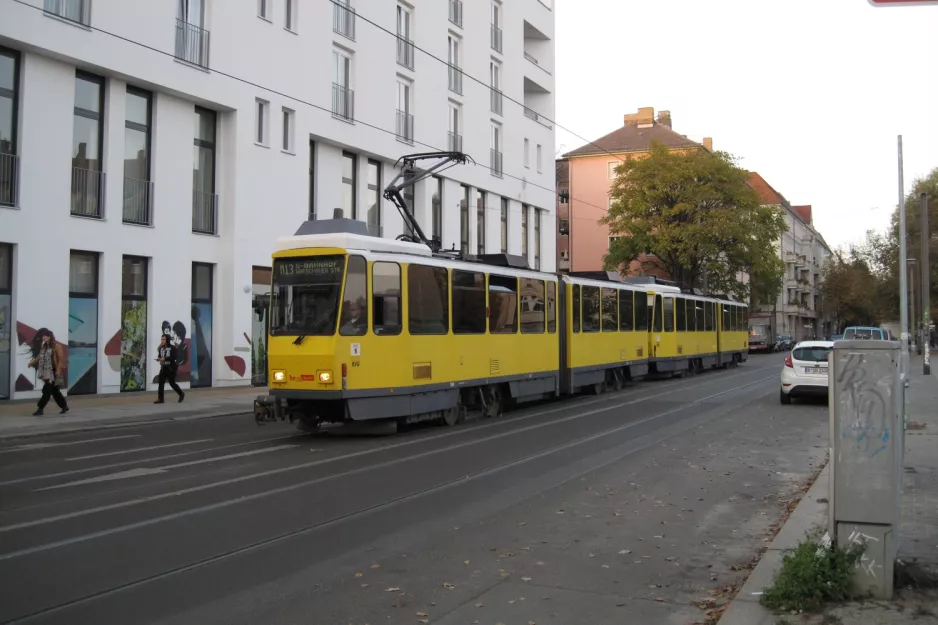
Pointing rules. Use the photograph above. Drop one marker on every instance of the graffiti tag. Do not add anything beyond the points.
(864, 407)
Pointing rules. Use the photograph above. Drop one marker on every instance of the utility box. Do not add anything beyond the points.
(867, 435)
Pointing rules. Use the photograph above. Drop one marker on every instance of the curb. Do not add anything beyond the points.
(745, 608)
(120, 422)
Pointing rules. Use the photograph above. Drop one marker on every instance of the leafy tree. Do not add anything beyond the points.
(849, 291)
(693, 215)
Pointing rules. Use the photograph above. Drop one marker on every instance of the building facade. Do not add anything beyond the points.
(152, 152)
(798, 310)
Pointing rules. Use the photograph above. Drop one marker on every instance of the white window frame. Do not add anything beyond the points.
(288, 117)
(405, 17)
(340, 53)
(495, 75)
(453, 50)
(405, 95)
(539, 160)
(455, 119)
(263, 9)
(611, 169)
(527, 153)
(495, 140)
(261, 122)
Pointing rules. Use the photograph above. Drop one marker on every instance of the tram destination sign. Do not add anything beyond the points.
(317, 270)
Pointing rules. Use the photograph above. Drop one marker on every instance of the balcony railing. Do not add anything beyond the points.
(204, 212)
(496, 38)
(531, 58)
(455, 79)
(405, 127)
(192, 43)
(78, 11)
(455, 12)
(405, 52)
(138, 202)
(454, 140)
(531, 114)
(495, 162)
(87, 193)
(496, 101)
(9, 179)
(343, 20)
(343, 102)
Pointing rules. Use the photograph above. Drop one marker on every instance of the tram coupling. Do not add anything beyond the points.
(267, 409)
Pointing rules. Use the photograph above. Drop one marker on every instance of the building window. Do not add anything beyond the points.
(192, 40)
(204, 199)
(611, 169)
(138, 189)
(374, 196)
(495, 151)
(524, 231)
(386, 298)
(537, 239)
(349, 184)
(480, 223)
(263, 9)
(504, 225)
(503, 304)
(455, 74)
(464, 221)
(454, 137)
(343, 98)
(532, 306)
(495, 82)
(200, 332)
(427, 300)
(405, 44)
(9, 110)
(405, 120)
(288, 125)
(539, 170)
(437, 209)
(133, 360)
(355, 301)
(343, 19)
(289, 15)
(468, 302)
(496, 36)
(312, 179)
(527, 153)
(87, 146)
(261, 121)
(83, 323)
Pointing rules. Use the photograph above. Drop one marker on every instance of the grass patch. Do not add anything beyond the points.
(812, 576)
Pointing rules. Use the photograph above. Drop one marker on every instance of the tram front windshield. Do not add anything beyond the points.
(305, 295)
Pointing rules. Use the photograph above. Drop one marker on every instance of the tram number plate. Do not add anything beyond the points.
(815, 370)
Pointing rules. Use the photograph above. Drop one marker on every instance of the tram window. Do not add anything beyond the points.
(468, 302)
(709, 309)
(386, 298)
(355, 301)
(737, 315)
(699, 310)
(610, 310)
(532, 306)
(641, 312)
(591, 309)
(626, 310)
(427, 300)
(659, 316)
(681, 315)
(551, 307)
(691, 315)
(503, 302)
(576, 307)
(743, 318)
(669, 314)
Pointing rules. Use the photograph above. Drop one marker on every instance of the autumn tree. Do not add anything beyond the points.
(849, 291)
(692, 215)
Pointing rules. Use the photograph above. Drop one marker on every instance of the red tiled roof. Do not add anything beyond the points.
(631, 138)
(804, 212)
(767, 195)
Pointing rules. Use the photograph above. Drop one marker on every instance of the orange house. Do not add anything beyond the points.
(588, 174)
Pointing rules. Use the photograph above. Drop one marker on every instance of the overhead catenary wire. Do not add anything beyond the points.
(312, 104)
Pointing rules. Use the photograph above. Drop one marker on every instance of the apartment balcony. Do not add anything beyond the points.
(455, 79)
(9, 179)
(88, 193)
(537, 46)
(138, 202)
(455, 12)
(405, 127)
(192, 44)
(343, 102)
(405, 52)
(454, 141)
(496, 38)
(495, 99)
(78, 11)
(495, 163)
(204, 212)
(343, 20)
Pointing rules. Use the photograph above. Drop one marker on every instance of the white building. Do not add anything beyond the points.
(151, 152)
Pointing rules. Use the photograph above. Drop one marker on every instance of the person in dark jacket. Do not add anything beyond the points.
(49, 360)
(166, 356)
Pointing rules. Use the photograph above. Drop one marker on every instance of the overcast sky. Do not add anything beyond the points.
(810, 93)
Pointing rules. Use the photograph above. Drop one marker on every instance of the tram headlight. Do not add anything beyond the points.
(280, 376)
(325, 377)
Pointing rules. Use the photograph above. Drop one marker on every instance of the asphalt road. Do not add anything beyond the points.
(627, 507)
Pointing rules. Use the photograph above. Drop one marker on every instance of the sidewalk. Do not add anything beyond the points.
(916, 598)
(91, 412)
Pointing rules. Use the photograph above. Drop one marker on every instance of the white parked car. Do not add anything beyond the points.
(805, 371)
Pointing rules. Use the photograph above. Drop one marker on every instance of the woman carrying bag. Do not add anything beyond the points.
(166, 356)
(49, 360)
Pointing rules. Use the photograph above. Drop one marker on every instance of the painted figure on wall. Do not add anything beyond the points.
(133, 345)
(201, 345)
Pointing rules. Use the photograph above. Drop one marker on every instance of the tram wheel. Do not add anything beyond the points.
(494, 402)
(450, 416)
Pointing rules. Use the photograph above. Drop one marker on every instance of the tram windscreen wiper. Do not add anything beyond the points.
(299, 339)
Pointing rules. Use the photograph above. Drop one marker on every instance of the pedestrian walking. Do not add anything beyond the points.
(49, 360)
(166, 356)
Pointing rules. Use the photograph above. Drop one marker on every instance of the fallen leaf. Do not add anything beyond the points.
(539, 563)
(671, 559)
(479, 605)
(605, 566)
(423, 620)
(525, 579)
(365, 585)
(466, 562)
(376, 566)
(448, 585)
(393, 589)
(358, 574)
(625, 552)
(522, 524)
(560, 512)
(422, 614)
(511, 601)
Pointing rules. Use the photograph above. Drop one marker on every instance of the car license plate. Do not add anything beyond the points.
(816, 370)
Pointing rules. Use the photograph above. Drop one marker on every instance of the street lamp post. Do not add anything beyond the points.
(903, 279)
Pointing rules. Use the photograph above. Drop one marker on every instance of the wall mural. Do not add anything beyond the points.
(200, 347)
(133, 354)
(82, 345)
(177, 336)
(6, 344)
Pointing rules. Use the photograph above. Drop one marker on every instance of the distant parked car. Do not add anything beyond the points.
(865, 333)
(805, 371)
(836, 337)
(784, 343)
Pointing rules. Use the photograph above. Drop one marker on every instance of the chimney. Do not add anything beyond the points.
(644, 118)
(664, 118)
(708, 143)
